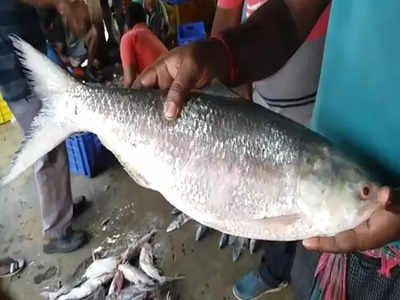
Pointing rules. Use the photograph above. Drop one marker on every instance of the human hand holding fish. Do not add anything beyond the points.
(381, 228)
(183, 69)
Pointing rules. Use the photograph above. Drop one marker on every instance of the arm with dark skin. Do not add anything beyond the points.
(226, 18)
(75, 11)
(127, 51)
(129, 75)
(272, 35)
(260, 47)
(59, 48)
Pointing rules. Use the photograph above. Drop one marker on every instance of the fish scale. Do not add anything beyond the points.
(230, 165)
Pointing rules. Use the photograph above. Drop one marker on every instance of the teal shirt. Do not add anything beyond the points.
(358, 101)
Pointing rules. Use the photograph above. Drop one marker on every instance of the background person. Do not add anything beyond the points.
(139, 46)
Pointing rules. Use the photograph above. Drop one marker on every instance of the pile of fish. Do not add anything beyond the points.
(131, 275)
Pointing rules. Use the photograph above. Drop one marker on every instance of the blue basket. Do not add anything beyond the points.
(191, 32)
(86, 155)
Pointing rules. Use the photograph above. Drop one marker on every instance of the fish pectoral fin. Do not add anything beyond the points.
(283, 220)
(275, 226)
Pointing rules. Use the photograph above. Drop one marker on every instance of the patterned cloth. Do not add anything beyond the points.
(331, 282)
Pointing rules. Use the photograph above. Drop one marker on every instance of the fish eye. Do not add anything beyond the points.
(365, 191)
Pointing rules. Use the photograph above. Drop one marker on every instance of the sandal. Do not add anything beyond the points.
(9, 267)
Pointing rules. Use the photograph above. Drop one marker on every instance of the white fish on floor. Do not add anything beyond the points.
(178, 222)
(146, 263)
(135, 275)
(87, 288)
(65, 289)
(116, 283)
(100, 267)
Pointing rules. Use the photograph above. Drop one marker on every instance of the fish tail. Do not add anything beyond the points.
(55, 120)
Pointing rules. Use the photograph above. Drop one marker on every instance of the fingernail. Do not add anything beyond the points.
(171, 110)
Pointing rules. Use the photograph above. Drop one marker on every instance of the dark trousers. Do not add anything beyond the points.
(302, 273)
(277, 262)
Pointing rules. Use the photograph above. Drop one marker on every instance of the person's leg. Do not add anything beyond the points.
(51, 176)
(277, 262)
(107, 20)
(53, 185)
(271, 276)
(302, 273)
(94, 42)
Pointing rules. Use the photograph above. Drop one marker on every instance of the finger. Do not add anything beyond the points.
(147, 79)
(180, 87)
(381, 228)
(343, 242)
(164, 76)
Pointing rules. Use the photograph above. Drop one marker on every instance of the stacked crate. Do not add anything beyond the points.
(86, 155)
(191, 32)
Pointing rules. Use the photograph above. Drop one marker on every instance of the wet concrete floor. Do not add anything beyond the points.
(131, 210)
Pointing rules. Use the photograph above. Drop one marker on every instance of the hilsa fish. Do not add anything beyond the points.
(135, 275)
(230, 165)
(146, 263)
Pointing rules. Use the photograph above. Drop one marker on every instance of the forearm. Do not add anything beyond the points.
(226, 18)
(129, 75)
(263, 44)
(59, 48)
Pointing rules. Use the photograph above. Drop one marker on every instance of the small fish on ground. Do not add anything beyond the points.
(178, 222)
(135, 275)
(200, 232)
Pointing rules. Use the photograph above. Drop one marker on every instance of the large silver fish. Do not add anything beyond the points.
(230, 165)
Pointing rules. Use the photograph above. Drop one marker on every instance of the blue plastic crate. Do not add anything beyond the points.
(86, 155)
(191, 32)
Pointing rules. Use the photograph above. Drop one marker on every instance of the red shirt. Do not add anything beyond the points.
(140, 47)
